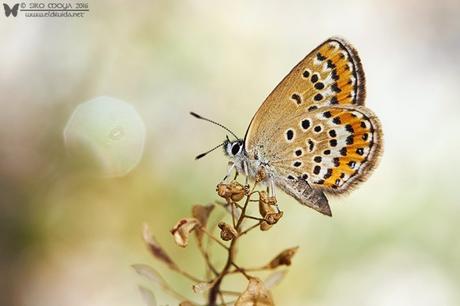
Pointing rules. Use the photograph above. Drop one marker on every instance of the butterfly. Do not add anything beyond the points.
(312, 135)
(13, 10)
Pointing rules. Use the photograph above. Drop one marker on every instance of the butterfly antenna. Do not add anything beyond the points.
(209, 120)
(209, 151)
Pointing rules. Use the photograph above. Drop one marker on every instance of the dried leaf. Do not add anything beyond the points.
(255, 295)
(283, 258)
(274, 279)
(156, 250)
(148, 296)
(201, 287)
(201, 213)
(181, 231)
(186, 303)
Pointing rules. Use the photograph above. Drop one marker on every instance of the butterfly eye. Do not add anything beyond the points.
(235, 148)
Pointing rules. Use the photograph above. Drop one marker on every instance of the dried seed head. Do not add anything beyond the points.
(227, 232)
(283, 258)
(233, 191)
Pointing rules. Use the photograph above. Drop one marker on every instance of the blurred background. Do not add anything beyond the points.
(68, 236)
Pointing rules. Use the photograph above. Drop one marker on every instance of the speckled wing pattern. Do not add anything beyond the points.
(314, 126)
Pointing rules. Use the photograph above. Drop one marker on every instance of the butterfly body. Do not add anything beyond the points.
(313, 135)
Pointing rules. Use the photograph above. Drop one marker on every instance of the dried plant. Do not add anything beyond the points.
(238, 199)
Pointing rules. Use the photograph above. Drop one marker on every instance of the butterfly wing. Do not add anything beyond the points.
(329, 75)
(292, 130)
(333, 147)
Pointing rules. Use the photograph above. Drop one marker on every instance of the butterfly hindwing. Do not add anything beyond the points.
(332, 147)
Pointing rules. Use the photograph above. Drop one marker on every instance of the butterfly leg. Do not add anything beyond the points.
(230, 168)
(271, 192)
(246, 173)
(272, 189)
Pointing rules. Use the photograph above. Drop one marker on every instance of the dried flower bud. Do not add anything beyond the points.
(272, 218)
(182, 230)
(264, 226)
(233, 191)
(227, 232)
(264, 205)
(283, 258)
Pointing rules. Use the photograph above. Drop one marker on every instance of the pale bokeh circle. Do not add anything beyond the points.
(107, 131)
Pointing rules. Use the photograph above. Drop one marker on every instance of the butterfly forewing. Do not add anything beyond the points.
(330, 75)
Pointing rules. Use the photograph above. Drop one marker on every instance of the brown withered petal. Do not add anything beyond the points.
(274, 279)
(181, 231)
(201, 213)
(186, 303)
(283, 258)
(255, 294)
(156, 250)
(148, 296)
(227, 232)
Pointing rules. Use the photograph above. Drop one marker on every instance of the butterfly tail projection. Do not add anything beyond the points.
(306, 195)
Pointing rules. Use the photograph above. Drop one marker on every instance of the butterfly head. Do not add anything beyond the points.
(233, 148)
